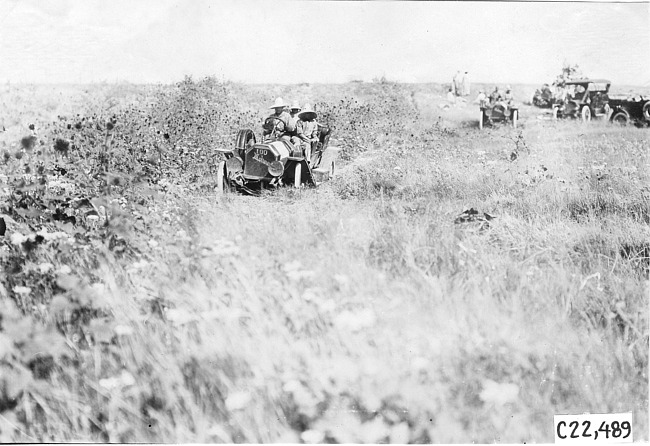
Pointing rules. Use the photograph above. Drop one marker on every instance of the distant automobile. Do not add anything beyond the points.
(630, 110)
(585, 99)
(498, 111)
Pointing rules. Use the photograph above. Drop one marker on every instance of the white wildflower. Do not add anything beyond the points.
(224, 248)
(65, 269)
(109, 383)
(140, 264)
(238, 400)
(22, 290)
(123, 330)
(179, 316)
(182, 236)
(356, 321)
(312, 436)
(126, 379)
(45, 268)
(497, 393)
(17, 238)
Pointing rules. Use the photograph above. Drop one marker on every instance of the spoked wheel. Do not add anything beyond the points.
(222, 179)
(297, 176)
(554, 113)
(585, 114)
(621, 117)
(332, 170)
(646, 111)
(480, 120)
(515, 117)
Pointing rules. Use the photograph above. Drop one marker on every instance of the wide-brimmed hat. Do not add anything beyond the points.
(295, 106)
(279, 103)
(307, 113)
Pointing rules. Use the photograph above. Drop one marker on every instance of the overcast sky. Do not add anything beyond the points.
(269, 41)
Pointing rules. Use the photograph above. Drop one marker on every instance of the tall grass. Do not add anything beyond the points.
(355, 312)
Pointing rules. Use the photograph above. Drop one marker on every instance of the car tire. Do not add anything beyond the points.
(554, 113)
(480, 120)
(332, 170)
(245, 139)
(297, 176)
(621, 117)
(222, 179)
(607, 110)
(646, 111)
(515, 118)
(585, 114)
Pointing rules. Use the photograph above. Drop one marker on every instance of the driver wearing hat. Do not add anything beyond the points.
(276, 124)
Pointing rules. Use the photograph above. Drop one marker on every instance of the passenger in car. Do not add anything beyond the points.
(275, 125)
(508, 98)
(307, 130)
(292, 125)
(481, 99)
(495, 96)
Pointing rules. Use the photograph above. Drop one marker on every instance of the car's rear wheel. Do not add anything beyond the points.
(222, 179)
(621, 117)
(646, 111)
(515, 118)
(480, 120)
(585, 114)
(297, 176)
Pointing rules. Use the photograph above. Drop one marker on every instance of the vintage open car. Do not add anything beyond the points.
(498, 111)
(585, 99)
(250, 166)
(630, 110)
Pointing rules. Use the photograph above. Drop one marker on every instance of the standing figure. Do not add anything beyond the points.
(275, 125)
(466, 89)
(458, 88)
(308, 131)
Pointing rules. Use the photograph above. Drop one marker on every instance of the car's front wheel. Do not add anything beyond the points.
(515, 118)
(480, 120)
(621, 117)
(297, 176)
(554, 113)
(222, 179)
(585, 114)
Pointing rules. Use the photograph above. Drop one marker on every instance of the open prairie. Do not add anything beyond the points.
(137, 305)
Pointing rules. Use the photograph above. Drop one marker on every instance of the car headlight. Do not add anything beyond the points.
(276, 168)
(234, 164)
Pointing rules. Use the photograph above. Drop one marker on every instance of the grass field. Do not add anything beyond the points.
(358, 311)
